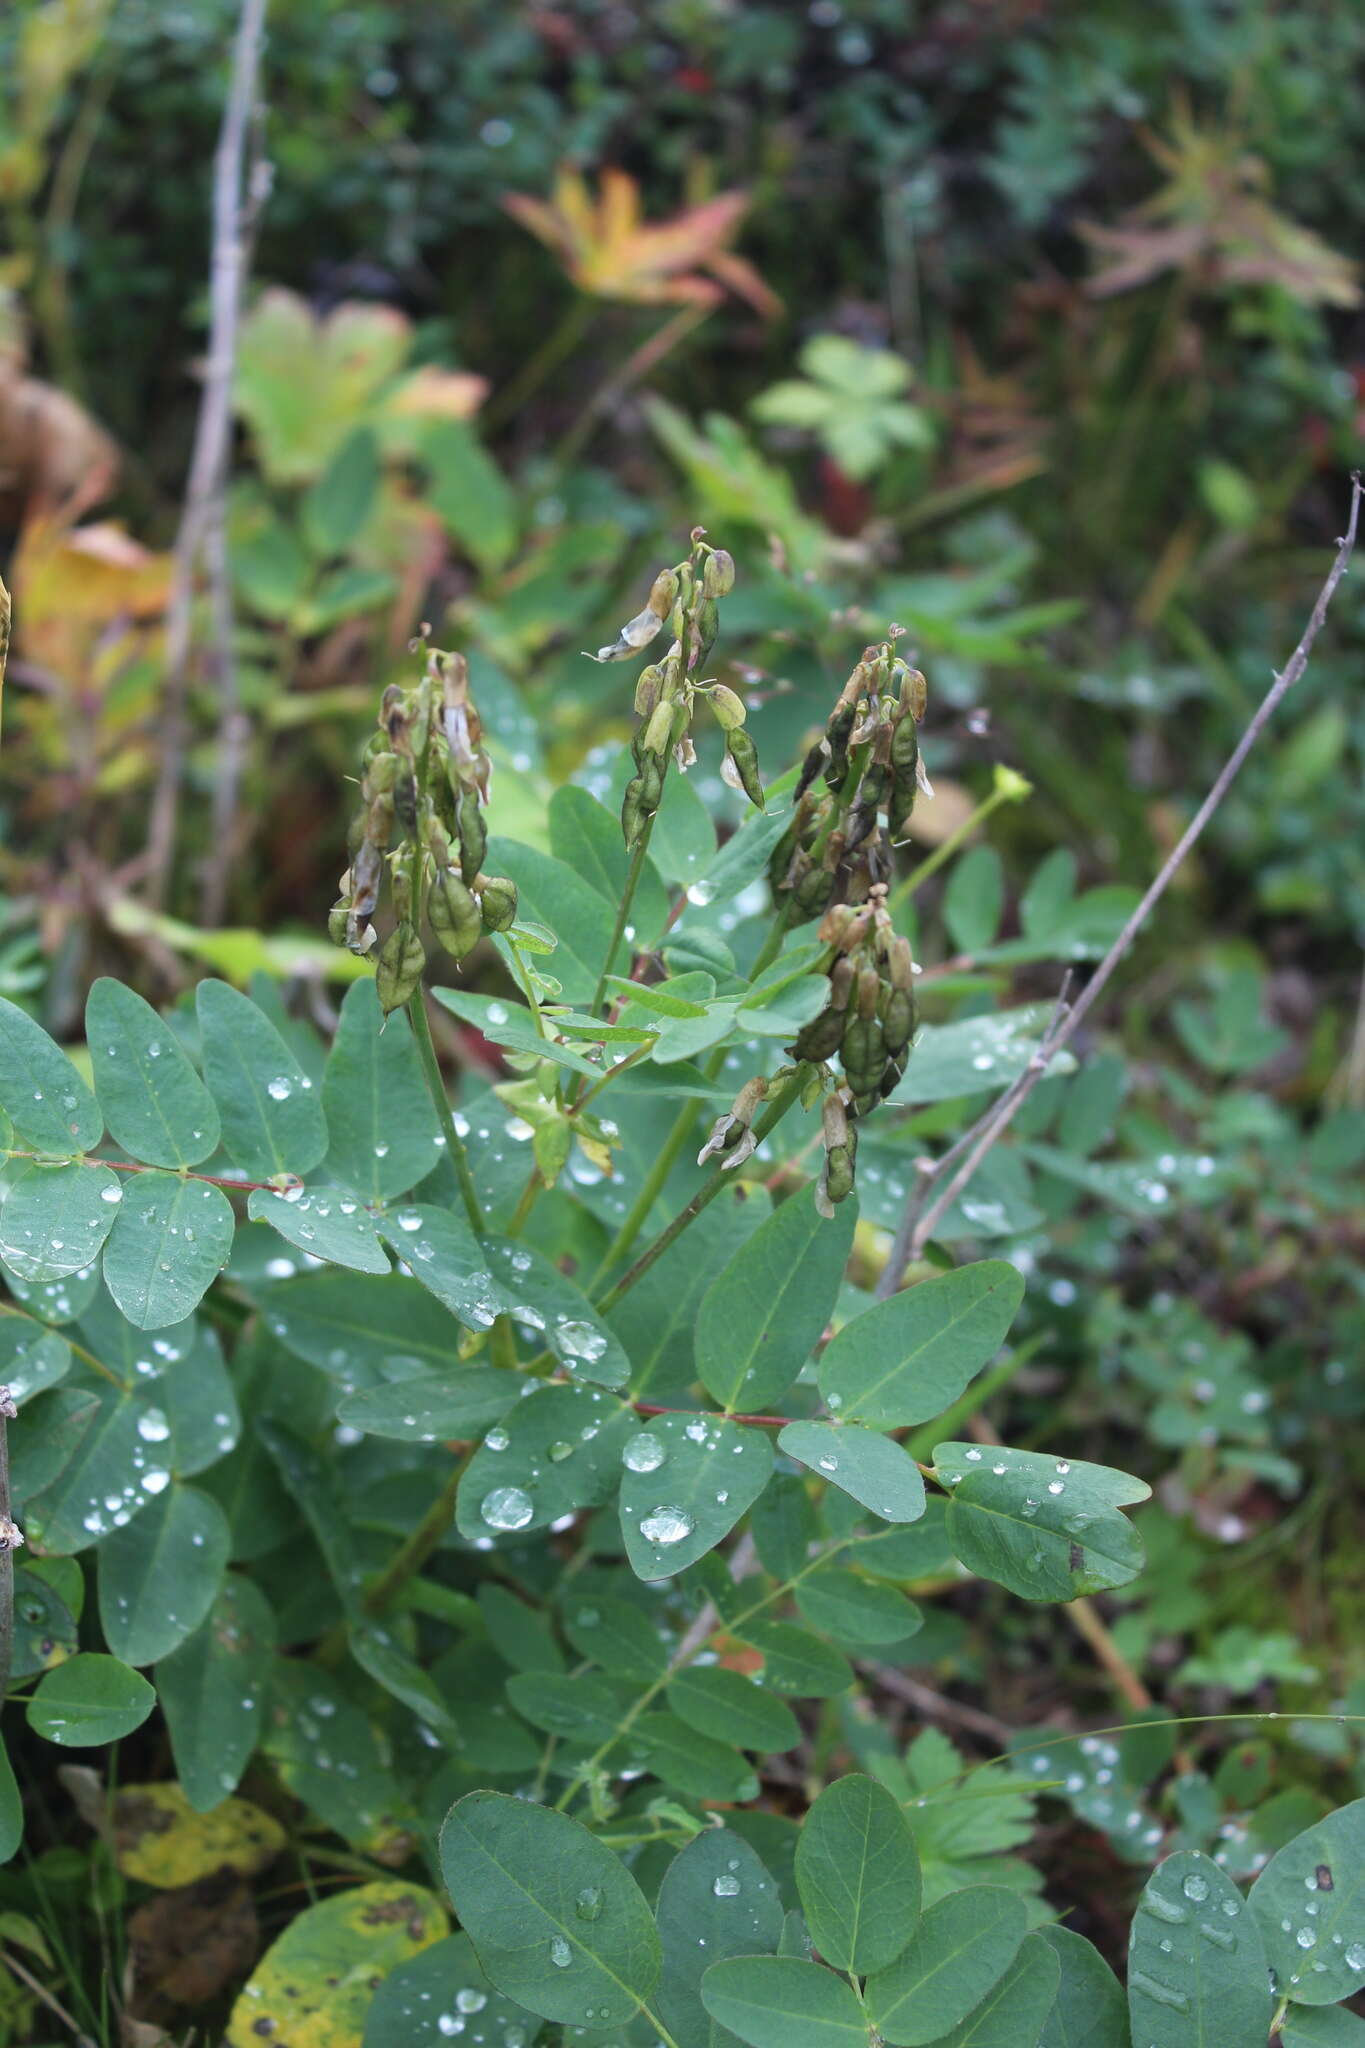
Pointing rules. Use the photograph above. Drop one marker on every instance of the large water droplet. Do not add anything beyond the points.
(280, 1089)
(588, 1904)
(666, 1525)
(644, 1453)
(496, 1440)
(1196, 1887)
(1354, 1956)
(726, 1887)
(561, 1955)
(470, 2000)
(507, 1507)
(153, 1427)
(578, 1340)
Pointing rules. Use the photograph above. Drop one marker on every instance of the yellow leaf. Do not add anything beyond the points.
(160, 1839)
(315, 1985)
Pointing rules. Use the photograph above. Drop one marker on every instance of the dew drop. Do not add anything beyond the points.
(507, 1507)
(588, 1904)
(561, 1955)
(1195, 1887)
(665, 1525)
(280, 1089)
(726, 1887)
(644, 1453)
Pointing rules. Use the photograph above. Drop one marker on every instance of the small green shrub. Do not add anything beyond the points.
(499, 1492)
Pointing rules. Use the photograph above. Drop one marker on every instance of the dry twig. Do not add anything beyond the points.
(941, 1186)
(237, 197)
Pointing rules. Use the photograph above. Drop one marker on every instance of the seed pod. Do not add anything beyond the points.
(632, 811)
(901, 803)
(914, 696)
(381, 770)
(862, 1053)
(898, 1020)
(648, 686)
(728, 707)
(869, 992)
(815, 760)
(744, 754)
(454, 914)
(498, 901)
(706, 625)
(837, 734)
(473, 835)
(813, 891)
(904, 747)
(662, 592)
(658, 733)
(338, 921)
(398, 971)
(367, 871)
(718, 574)
(841, 982)
(821, 1038)
(651, 784)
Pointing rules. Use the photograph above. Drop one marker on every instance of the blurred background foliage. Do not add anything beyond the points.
(1032, 328)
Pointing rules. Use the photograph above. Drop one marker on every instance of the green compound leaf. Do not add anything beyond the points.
(88, 1701)
(687, 1481)
(32, 1357)
(1090, 2010)
(716, 1901)
(577, 1708)
(316, 1982)
(730, 1707)
(461, 1402)
(587, 838)
(383, 1129)
(1014, 2012)
(154, 1103)
(762, 1316)
(441, 1251)
(909, 1358)
(1317, 1883)
(54, 1219)
(856, 1611)
(212, 1691)
(857, 1871)
(693, 1764)
(170, 1241)
(960, 1950)
(1322, 2026)
(550, 893)
(794, 1661)
(1046, 1528)
(870, 1468)
(159, 1576)
(540, 1297)
(271, 1116)
(617, 1636)
(442, 1993)
(11, 1809)
(45, 1098)
(783, 2002)
(351, 1326)
(326, 1223)
(558, 1922)
(554, 1452)
(1196, 1967)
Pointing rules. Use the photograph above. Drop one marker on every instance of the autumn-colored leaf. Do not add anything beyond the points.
(611, 251)
(1214, 221)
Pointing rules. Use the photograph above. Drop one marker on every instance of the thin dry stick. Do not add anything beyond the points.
(208, 463)
(945, 1189)
(234, 728)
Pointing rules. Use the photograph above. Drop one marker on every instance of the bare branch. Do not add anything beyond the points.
(207, 480)
(930, 1198)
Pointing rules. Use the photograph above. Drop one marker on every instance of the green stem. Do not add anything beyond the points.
(1002, 794)
(637, 868)
(421, 1031)
(562, 340)
(412, 1554)
(777, 1109)
(683, 1125)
